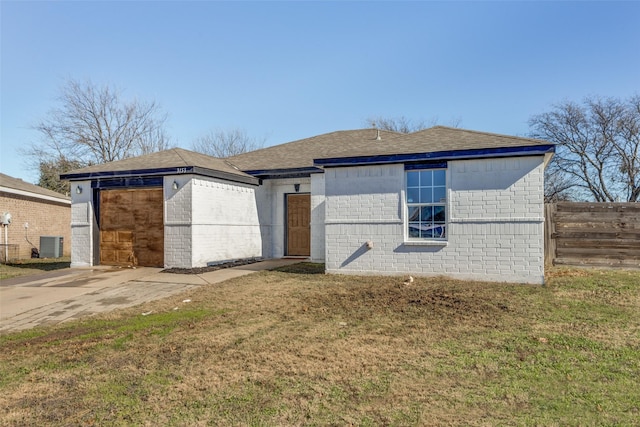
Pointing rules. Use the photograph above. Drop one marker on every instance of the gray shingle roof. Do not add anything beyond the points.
(167, 159)
(18, 184)
(442, 138)
(363, 142)
(301, 153)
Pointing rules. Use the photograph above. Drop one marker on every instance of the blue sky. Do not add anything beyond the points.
(291, 70)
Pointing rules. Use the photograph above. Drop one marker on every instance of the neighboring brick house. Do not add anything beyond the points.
(35, 212)
(441, 201)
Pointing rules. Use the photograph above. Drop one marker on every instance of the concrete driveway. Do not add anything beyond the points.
(50, 298)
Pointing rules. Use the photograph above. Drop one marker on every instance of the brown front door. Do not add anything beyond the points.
(298, 224)
(132, 227)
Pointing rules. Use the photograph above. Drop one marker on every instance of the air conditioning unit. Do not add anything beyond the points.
(51, 246)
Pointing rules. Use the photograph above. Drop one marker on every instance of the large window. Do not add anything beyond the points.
(426, 204)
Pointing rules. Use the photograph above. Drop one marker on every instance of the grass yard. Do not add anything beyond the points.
(32, 266)
(293, 347)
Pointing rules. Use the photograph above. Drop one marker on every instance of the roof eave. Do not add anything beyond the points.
(182, 170)
(437, 155)
(243, 179)
(283, 172)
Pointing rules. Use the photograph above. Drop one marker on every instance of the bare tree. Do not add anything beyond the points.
(628, 143)
(92, 124)
(598, 146)
(404, 125)
(221, 143)
(558, 186)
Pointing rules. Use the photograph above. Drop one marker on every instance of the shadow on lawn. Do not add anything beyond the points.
(302, 268)
(44, 264)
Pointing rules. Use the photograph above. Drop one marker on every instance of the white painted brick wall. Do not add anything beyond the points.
(317, 217)
(495, 222)
(178, 231)
(177, 246)
(225, 223)
(265, 203)
(369, 193)
(83, 227)
(208, 220)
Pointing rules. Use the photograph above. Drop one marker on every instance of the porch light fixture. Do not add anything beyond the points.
(78, 190)
(297, 187)
(174, 185)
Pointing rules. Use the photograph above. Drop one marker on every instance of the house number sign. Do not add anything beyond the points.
(182, 170)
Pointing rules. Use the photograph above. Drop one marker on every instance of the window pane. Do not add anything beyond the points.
(426, 179)
(439, 194)
(413, 179)
(426, 195)
(426, 234)
(433, 232)
(414, 214)
(426, 213)
(413, 195)
(439, 214)
(439, 177)
(414, 229)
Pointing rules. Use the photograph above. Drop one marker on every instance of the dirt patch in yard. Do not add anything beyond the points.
(395, 298)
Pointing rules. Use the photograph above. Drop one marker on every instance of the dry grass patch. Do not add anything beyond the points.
(292, 347)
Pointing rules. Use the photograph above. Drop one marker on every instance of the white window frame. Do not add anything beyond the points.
(408, 205)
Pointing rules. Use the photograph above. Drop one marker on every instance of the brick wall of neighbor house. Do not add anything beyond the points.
(225, 221)
(272, 212)
(495, 223)
(44, 218)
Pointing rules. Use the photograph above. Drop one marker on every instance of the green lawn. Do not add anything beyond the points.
(294, 347)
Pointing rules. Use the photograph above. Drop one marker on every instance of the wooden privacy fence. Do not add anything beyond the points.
(593, 234)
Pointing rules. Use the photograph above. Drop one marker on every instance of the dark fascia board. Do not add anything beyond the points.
(126, 173)
(437, 155)
(128, 182)
(164, 172)
(284, 173)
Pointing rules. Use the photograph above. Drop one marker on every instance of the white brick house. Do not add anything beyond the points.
(185, 209)
(490, 228)
(441, 201)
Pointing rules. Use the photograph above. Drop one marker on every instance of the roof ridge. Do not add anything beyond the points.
(175, 150)
(228, 163)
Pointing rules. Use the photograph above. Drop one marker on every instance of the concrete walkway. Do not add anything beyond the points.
(50, 298)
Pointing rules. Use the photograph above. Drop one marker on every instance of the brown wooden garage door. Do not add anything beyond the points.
(132, 227)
